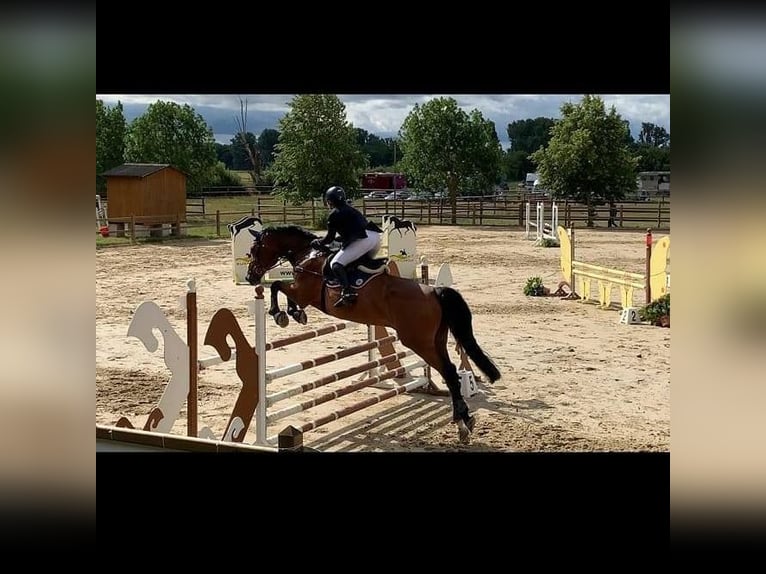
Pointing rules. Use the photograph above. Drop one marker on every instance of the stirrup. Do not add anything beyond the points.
(345, 298)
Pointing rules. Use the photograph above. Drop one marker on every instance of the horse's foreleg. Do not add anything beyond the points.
(280, 317)
(298, 314)
(293, 310)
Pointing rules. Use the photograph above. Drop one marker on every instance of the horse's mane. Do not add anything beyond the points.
(290, 229)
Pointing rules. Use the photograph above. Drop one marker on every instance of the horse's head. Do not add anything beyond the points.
(274, 245)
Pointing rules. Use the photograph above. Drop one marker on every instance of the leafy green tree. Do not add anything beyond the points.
(653, 148)
(222, 177)
(267, 142)
(651, 158)
(446, 147)
(111, 129)
(394, 152)
(224, 155)
(515, 165)
(587, 159)
(380, 152)
(530, 134)
(629, 140)
(239, 153)
(653, 135)
(170, 133)
(317, 149)
(526, 137)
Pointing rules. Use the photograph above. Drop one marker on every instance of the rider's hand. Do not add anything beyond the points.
(317, 244)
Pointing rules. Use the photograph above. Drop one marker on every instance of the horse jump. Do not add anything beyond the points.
(542, 230)
(253, 400)
(390, 359)
(655, 281)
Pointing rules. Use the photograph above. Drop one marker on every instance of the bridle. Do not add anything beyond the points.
(290, 257)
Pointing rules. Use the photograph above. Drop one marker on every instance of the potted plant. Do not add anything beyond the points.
(657, 312)
(535, 288)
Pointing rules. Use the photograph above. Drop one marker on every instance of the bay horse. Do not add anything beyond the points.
(420, 314)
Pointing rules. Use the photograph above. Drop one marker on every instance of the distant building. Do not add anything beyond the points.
(530, 180)
(654, 182)
(383, 181)
(146, 190)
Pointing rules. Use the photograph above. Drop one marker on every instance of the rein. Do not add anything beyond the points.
(300, 269)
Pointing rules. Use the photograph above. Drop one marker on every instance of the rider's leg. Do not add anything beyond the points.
(339, 269)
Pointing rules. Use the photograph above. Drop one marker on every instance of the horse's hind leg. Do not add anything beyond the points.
(434, 352)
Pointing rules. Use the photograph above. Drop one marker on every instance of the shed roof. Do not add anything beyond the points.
(136, 169)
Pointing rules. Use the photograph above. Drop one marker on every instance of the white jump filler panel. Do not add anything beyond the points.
(241, 242)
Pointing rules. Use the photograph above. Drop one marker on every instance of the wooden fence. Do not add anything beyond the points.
(485, 211)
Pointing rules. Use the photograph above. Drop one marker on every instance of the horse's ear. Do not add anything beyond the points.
(254, 233)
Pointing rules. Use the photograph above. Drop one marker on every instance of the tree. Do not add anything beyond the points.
(530, 135)
(379, 151)
(653, 135)
(317, 149)
(587, 159)
(240, 158)
(249, 144)
(267, 141)
(170, 133)
(224, 155)
(515, 165)
(629, 140)
(651, 158)
(527, 136)
(110, 140)
(446, 147)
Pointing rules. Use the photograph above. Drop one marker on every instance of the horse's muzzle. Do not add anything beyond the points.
(253, 279)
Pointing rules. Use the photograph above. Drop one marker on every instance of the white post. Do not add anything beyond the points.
(540, 220)
(260, 349)
(529, 213)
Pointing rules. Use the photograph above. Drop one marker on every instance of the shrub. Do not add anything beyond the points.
(222, 177)
(657, 312)
(322, 213)
(547, 242)
(534, 287)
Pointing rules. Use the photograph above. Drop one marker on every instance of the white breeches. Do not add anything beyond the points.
(370, 245)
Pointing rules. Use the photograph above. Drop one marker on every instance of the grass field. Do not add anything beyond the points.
(244, 177)
(231, 208)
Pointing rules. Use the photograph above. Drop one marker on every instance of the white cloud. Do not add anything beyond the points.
(383, 114)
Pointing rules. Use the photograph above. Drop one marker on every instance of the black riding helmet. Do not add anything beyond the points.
(335, 195)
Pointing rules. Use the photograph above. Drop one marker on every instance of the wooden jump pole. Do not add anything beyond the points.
(191, 342)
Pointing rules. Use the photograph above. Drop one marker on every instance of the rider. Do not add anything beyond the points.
(358, 237)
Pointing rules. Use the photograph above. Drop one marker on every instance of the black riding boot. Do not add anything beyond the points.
(347, 295)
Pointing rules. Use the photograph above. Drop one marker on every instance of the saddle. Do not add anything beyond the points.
(360, 271)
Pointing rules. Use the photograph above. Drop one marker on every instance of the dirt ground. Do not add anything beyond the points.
(573, 377)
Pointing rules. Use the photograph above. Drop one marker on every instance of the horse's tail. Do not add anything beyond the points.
(458, 318)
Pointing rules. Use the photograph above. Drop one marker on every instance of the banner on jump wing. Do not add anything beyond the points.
(400, 245)
(241, 242)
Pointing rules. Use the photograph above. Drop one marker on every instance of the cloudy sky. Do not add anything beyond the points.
(383, 114)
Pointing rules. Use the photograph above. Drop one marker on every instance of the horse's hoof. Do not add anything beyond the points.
(463, 431)
(281, 319)
(300, 317)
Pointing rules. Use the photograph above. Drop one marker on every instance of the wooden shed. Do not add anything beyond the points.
(152, 193)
